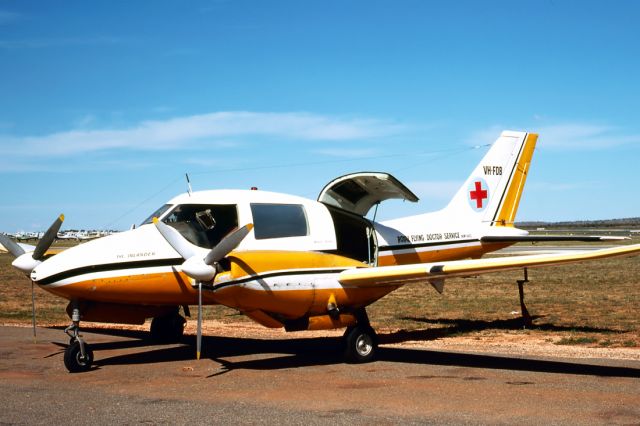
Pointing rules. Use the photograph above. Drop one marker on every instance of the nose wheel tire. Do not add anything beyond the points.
(73, 359)
(360, 344)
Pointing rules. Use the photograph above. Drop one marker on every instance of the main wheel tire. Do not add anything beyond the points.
(73, 359)
(360, 344)
(168, 328)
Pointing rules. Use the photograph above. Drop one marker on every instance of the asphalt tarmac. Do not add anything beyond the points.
(301, 381)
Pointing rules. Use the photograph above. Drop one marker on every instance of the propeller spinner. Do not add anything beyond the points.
(27, 261)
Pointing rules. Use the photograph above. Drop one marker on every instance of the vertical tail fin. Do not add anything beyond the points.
(492, 192)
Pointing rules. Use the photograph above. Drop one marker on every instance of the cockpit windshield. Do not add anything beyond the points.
(157, 213)
(203, 224)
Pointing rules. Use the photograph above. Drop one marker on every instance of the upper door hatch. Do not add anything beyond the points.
(358, 192)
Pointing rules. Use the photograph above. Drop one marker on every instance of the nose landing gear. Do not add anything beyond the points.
(78, 356)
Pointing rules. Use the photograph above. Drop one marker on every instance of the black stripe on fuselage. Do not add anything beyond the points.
(109, 267)
(434, 244)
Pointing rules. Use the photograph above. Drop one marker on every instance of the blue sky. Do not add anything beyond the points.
(104, 106)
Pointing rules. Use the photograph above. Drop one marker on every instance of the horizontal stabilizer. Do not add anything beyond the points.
(548, 238)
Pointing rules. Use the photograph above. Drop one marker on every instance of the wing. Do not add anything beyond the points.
(435, 273)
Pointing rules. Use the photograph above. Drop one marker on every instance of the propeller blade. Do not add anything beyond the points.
(13, 247)
(175, 240)
(199, 330)
(228, 244)
(47, 239)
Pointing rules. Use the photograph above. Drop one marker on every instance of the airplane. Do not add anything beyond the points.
(77, 235)
(290, 262)
(83, 235)
(27, 236)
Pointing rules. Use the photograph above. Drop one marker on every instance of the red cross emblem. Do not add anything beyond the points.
(478, 194)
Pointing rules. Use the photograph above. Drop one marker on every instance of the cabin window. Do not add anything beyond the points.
(279, 221)
(203, 224)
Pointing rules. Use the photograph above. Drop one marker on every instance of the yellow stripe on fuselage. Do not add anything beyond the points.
(175, 288)
(161, 288)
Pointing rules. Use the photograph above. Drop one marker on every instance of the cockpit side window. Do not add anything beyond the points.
(203, 224)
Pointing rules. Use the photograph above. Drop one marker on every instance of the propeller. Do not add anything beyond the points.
(13, 247)
(27, 261)
(199, 268)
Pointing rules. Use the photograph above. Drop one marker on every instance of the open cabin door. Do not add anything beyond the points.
(358, 192)
(349, 199)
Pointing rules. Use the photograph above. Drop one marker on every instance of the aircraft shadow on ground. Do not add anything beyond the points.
(137, 338)
(297, 353)
(461, 326)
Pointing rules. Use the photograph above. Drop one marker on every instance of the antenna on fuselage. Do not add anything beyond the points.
(188, 184)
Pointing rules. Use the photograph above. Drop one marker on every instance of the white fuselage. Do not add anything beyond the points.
(144, 251)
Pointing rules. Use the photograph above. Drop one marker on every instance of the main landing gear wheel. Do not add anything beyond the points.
(167, 328)
(360, 344)
(74, 360)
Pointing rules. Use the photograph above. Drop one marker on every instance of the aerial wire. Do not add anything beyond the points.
(446, 153)
(145, 201)
(344, 160)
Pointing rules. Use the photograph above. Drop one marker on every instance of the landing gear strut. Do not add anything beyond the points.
(360, 341)
(526, 318)
(78, 356)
